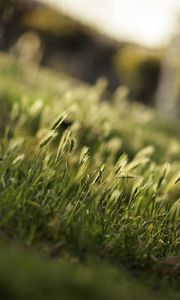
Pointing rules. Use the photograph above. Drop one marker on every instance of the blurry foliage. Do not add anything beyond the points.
(40, 279)
(139, 69)
(49, 21)
(66, 44)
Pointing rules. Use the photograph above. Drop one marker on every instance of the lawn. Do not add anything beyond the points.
(89, 191)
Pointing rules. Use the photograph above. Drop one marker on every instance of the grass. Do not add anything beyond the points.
(86, 182)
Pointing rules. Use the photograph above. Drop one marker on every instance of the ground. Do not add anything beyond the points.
(89, 191)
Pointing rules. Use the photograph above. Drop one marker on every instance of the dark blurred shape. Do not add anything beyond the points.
(67, 45)
(11, 12)
(72, 47)
(37, 33)
(139, 68)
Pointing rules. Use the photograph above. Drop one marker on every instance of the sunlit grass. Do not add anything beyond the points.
(80, 177)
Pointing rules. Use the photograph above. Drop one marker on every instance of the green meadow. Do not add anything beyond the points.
(89, 191)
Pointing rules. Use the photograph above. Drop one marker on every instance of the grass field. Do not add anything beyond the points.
(89, 192)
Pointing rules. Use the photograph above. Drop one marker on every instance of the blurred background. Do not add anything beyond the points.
(131, 42)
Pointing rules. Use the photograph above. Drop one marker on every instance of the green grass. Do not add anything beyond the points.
(84, 179)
